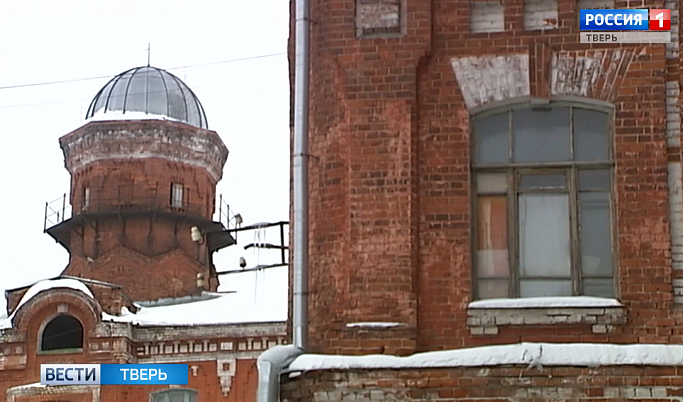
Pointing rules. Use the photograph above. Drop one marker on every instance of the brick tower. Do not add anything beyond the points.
(143, 171)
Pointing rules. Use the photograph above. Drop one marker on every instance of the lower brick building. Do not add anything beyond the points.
(494, 203)
(140, 285)
(76, 320)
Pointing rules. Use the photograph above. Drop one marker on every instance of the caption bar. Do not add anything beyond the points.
(113, 374)
(626, 37)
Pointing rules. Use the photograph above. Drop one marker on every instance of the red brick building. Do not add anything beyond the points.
(138, 288)
(480, 177)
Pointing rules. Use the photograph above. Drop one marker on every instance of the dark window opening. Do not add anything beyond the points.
(63, 332)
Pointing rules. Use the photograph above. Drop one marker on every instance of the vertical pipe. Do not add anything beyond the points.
(45, 219)
(282, 242)
(63, 206)
(271, 362)
(300, 172)
(220, 211)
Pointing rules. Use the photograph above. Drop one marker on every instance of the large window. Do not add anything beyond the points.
(543, 203)
(62, 333)
(175, 395)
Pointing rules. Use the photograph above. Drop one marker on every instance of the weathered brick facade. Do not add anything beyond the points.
(392, 193)
(390, 173)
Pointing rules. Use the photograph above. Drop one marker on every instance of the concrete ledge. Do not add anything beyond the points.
(485, 321)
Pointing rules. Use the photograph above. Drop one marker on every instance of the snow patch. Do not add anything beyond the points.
(373, 324)
(6, 322)
(231, 308)
(530, 354)
(130, 115)
(547, 302)
(53, 284)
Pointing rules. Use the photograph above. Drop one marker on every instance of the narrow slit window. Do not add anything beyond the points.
(177, 195)
(86, 197)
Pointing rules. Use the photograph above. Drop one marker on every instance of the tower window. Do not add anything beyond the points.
(177, 195)
(86, 197)
(174, 395)
(63, 332)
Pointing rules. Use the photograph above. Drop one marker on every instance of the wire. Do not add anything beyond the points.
(172, 68)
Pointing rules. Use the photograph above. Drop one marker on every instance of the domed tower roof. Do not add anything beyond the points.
(149, 90)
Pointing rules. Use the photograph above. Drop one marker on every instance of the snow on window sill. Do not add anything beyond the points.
(375, 325)
(485, 316)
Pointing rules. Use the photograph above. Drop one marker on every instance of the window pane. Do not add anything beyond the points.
(118, 93)
(544, 246)
(594, 179)
(492, 288)
(541, 181)
(135, 98)
(596, 240)
(492, 183)
(598, 287)
(541, 288)
(541, 135)
(492, 238)
(491, 139)
(591, 133)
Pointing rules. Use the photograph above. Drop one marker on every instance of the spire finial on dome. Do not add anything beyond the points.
(148, 54)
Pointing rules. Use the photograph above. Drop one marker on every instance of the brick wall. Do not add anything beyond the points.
(390, 214)
(504, 383)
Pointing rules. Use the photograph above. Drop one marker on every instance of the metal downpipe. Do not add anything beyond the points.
(271, 362)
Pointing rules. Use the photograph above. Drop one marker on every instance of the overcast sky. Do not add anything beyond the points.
(246, 102)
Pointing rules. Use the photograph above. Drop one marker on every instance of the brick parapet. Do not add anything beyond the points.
(131, 139)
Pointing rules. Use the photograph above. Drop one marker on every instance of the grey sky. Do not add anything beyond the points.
(246, 102)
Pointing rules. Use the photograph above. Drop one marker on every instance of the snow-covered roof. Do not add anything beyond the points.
(217, 308)
(532, 354)
(41, 286)
(547, 302)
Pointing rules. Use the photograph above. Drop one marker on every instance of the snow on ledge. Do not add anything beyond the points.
(532, 354)
(374, 325)
(547, 302)
(112, 115)
(32, 385)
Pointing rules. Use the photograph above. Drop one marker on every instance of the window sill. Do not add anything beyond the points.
(484, 317)
(60, 351)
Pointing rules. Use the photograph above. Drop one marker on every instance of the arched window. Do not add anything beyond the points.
(174, 395)
(63, 332)
(543, 202)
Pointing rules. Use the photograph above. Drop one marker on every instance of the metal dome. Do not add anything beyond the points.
(152, 91)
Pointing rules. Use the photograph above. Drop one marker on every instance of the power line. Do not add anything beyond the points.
(172, 68)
